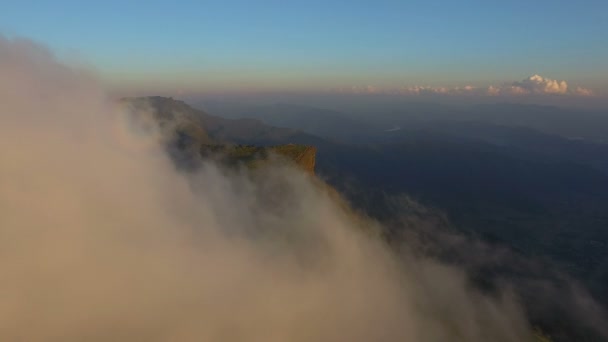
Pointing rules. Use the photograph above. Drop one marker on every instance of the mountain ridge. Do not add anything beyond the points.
(195, 132)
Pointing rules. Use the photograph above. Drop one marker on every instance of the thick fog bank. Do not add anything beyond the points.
(101, 238)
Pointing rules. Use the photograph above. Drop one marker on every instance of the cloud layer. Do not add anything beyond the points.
(102, 239)
(533, 85)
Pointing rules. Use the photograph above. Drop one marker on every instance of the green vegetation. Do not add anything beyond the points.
(253, 156)
(290, 151)
(303, 155)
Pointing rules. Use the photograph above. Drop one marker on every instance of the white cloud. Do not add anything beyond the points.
(537, 84)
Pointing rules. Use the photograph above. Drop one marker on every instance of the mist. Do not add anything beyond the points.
(103, 238)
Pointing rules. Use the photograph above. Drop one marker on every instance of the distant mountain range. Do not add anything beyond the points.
(329, 124)
(590, 125)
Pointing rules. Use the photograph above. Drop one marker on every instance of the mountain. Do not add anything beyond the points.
(253, 156)
(324, 123)
(521, 142)
(496, 181)
(540, 196)
(191, 133)
(571, 123)
(590, 125)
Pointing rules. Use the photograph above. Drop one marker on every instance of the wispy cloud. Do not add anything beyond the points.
(361, 90)
(421, 90)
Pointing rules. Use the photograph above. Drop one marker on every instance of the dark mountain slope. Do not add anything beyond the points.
(567, 122)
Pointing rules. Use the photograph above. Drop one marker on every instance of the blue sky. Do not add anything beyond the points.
(317, 45)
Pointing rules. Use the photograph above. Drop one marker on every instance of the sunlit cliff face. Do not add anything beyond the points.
(102, 239)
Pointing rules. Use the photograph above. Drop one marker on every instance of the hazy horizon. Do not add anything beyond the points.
(466, 52)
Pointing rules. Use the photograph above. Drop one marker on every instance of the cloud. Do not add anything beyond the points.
(369, 89)
(408, 90)
(422, 90)
(418, 90)
(533, 85)
(583, 91)
(101, 238)
(538, 85)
